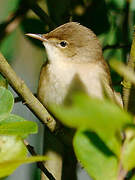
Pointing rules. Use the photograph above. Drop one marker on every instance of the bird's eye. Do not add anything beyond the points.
(63, 43)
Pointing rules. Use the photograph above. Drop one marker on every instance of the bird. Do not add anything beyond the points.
(75, 63)
(75, 58)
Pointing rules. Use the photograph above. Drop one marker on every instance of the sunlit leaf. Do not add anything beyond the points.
(7, 167)
(128, 154)
(11, 118)
(6, 101)
(94, 114)
(18, 128)
(100, 116)
(11, 147)
(133, 178)
(94, 155)
(123, 70)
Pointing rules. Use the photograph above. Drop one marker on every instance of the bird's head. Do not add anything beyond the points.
(71, 42)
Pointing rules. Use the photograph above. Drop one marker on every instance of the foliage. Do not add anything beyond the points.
(100, 125)
(98, 139)
(13, 129)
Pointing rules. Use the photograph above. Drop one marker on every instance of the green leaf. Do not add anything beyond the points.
(6, 101)
(113, 142)
(7, 167)
(6, 10)
(123, 70)
(119, 4)
(94, 114)
(132, 5)
(18, 128)
(94, 155)
(128, 154)
(100, 116)
(11, 118)
(9, 41)
(12, 154)
(12, 38)
(11, 147)
(133, 178)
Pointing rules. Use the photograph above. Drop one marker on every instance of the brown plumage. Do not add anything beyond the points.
(74, 52)
(81, 59)
(75, 63)
(74, 58)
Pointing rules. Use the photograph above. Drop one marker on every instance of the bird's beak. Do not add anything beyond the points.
(40, 37)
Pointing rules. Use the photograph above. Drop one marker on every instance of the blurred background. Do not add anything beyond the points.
(111, 20)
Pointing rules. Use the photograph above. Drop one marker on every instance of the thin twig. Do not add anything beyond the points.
(40, 165)
(30, 100)
(42, 15)
(129, 91)
(129, 88)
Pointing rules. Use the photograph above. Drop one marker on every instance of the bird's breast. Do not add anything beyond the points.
(58, 80)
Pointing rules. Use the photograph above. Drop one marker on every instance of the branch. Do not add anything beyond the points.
(30, 100)
(40, 165)
(129, 89)
(42, 15)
